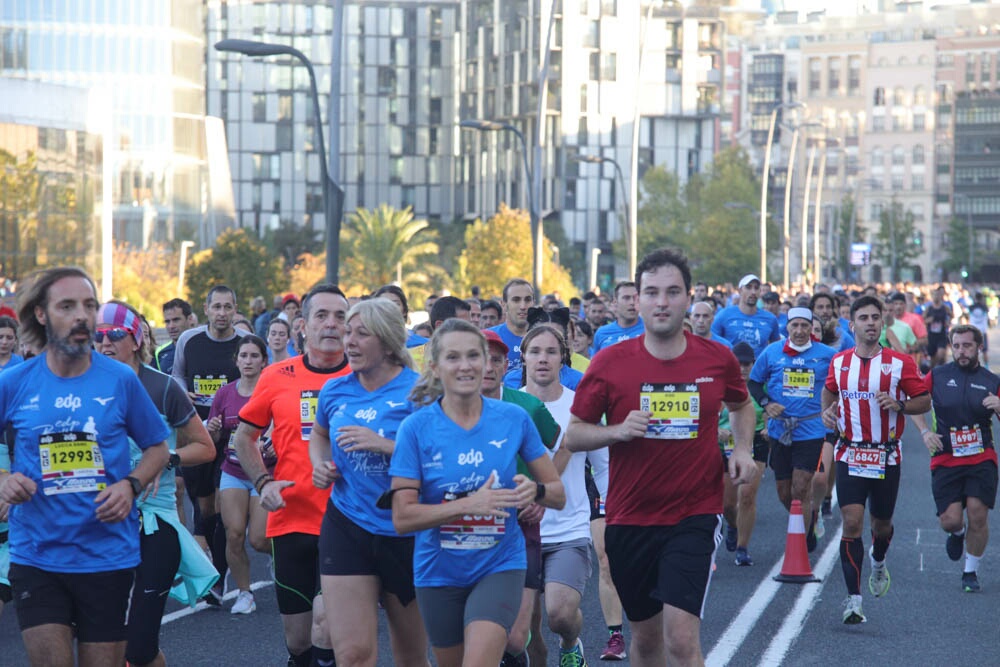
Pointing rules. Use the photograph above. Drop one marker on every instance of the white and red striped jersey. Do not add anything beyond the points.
(857, 381)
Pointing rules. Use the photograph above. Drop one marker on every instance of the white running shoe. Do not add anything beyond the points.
(852, 610)
(244, 604)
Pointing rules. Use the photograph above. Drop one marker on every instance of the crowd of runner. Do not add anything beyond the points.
(465, 474)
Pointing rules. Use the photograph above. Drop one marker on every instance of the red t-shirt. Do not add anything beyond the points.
(287, 394)
(674, 472)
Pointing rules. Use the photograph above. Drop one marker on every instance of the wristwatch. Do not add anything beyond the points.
(539, 492)
(174, 462)
(135, 484)
(764, 401)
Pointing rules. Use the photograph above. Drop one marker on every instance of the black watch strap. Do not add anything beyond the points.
(175, 461)
(135, 484)
(539, 492)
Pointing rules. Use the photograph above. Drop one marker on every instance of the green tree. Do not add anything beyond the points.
(662, 218)
(957, 247)
(290, 241)
(383, 244)
(240, 261)
(894, 246)
(724, 242)
(500, 249)
(20, 199)
(145, 278)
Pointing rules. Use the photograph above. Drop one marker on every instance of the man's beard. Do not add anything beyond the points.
(67, 346)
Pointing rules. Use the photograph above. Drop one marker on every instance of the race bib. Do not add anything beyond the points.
(936, 327)
(308, 401)
(966, 441)
(473, 532)
(207, 387)
(867, 463)
(71, 462)
(798, 382)
(674, 410)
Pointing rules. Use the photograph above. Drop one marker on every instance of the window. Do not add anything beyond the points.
(284, 107)
(919, 122)
(898, 155)
(918, 154)
(970, 68)
(259, 107)
(877, 157)
(582, 136)
(917, 181)
(435, 56)
(878, 123)
(435, 117)
(609, 7)
(854, 75)
(610, 70)
(897, 182)
(898, 96)
(595, 66)
(879, 97)
(919, 96)
(898, 121)
(833, 75)
(432, 142)
(283, 137)
(583, 98)
(815, 76)
(917, 210)
(592, 38)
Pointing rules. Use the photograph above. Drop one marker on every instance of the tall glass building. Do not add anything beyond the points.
(147, 57)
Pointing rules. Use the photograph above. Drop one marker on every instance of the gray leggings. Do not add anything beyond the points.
(448, 609)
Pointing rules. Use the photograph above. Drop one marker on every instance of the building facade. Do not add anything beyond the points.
(147, 58)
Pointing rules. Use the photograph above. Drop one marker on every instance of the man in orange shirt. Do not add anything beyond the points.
(287, 395)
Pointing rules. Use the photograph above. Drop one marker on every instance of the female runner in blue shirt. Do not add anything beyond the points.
(455, 483)
(362, 559)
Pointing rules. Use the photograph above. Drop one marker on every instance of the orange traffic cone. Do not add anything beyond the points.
(796, 569)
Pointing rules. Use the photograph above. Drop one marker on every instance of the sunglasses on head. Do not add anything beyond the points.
(114, 334)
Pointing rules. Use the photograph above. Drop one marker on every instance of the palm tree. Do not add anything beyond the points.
(383, 244)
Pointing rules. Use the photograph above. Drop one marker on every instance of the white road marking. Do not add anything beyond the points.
(202, 606)
(795, 620)
(729, 643)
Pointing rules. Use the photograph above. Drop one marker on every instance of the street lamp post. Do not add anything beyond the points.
(629, 222)
(817, 269)
(536, 226)
(333, 193)
(786, 240)
(182, 266)
(764, 179)
(633, 176)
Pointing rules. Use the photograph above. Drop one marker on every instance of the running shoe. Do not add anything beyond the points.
(811, 538)
(572, 657)
(615, 650)
(244, 604)
(213, 598)
(827, 509)
(879, 579)
(852, 610)
(730, 538)
(743, 557)
(970, 582)
(955, 545)
(514, 661)
(818, 528)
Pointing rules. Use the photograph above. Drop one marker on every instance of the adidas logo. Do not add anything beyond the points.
(287, 370)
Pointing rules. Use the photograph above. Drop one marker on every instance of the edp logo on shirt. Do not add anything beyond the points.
(70, 401)
(367, 415)
(472, 457)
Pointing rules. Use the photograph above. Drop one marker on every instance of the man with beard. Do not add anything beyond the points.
(964, 397)
(74, 528)
(205, 360)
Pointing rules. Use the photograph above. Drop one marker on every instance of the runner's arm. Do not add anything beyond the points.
(410, 515)
(582, 436)
(245, 442)
(194, 445)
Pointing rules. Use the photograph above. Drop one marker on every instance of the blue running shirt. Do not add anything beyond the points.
(452, 462)
(344, 402)
(613, 333)
(73, 441)
(795, 382)
(757, 330)
(513, 342)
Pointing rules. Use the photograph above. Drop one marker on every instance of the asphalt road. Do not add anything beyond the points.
(925, 619)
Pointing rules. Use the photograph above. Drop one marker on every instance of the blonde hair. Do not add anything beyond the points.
(382, 318)
(428, 388)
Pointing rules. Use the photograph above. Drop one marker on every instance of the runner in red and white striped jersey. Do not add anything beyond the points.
(867, 392)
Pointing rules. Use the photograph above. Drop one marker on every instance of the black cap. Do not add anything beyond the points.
(897, 296)
(744, 353)
(771, 296)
